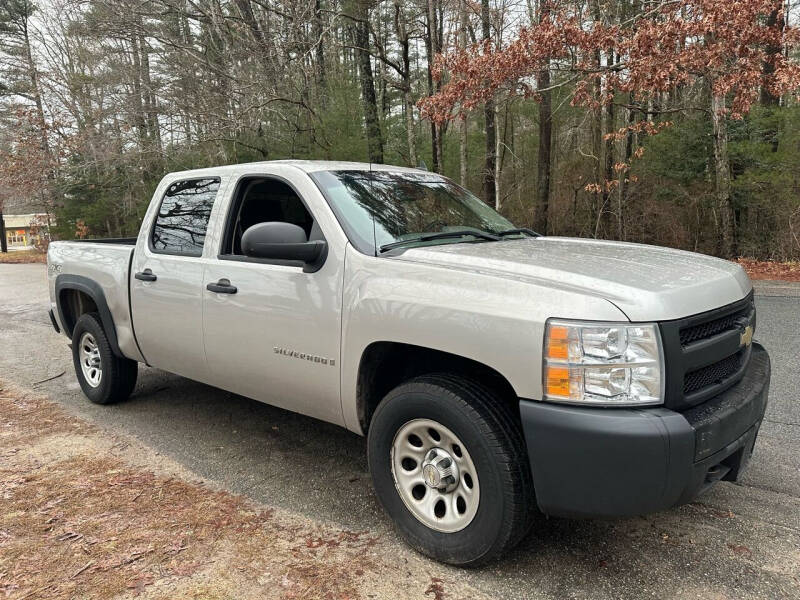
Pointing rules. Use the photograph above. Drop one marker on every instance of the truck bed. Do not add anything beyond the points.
(106, 263)
(120, 241)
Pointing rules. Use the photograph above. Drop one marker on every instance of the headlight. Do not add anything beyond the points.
(603, 364)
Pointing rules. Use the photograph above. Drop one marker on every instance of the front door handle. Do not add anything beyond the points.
(223, 286)
(146, 275)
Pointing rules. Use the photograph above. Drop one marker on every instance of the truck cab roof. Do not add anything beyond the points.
(307, 166)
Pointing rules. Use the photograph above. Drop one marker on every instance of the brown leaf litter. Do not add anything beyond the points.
(83, 514)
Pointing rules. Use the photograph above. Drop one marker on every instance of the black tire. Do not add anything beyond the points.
(118, 374)
(492, 434)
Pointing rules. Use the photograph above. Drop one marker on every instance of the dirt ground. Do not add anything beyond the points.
(81, 516)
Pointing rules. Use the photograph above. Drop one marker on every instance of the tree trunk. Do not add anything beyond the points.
(441, 130)
(433, 46)
(402, 38)
(138, 107)
(608, 158)
(597, 116)
(319, 51)
(368, 99)
(498, 160)
(3, 241)
(622, 190)
(463, 125)
(597, 157)
(35, 91)
(543, 166)
(722, 170)
(767, 98)
(151, 108)
(489, 122)
(411, 136)
(429, 52)
(380, 66)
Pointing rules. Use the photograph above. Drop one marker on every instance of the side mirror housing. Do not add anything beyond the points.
(277, 240)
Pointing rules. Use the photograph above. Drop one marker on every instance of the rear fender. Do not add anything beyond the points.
(92, 289)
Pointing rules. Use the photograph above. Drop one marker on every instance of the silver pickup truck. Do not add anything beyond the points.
(497, 374)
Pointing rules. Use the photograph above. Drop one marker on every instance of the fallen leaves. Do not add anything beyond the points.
(92, 526)
(18, 257)
(436, 589)
(79, 521)
(771, 270)
(740, 550)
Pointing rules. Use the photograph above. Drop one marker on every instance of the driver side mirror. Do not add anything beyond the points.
(277, 240)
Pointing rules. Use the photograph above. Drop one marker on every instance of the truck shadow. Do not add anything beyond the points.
(264, 452)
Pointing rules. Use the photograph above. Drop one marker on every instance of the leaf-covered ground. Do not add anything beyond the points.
(23, 256)
(84, 514)
(777, 271)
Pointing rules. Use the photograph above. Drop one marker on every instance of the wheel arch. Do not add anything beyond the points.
(385, 365)
(77, 295)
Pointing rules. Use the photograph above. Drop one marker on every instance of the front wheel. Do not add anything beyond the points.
(449, 465)
(104, 377)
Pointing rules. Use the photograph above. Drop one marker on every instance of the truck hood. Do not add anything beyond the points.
(647, 283)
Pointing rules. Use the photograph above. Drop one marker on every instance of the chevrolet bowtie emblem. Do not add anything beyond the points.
(747, 336)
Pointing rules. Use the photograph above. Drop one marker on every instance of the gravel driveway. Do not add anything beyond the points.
(737, 541)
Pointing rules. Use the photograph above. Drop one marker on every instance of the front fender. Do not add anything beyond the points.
(489, 319)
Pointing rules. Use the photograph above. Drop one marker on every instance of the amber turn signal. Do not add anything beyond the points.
(558, 343)
(557, 381)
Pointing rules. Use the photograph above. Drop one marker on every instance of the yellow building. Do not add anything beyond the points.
(22, 231)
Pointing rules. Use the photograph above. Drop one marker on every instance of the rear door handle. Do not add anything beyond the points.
(223, 286)
(146, 275)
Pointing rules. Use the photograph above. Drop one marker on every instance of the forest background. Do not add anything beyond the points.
(671, 122)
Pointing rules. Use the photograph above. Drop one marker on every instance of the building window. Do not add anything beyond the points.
(16, 237)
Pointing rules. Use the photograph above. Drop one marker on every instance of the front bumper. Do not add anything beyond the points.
(595, 462)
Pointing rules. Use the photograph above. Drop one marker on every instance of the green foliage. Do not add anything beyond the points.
(677, 171)
(14, 15)
(766, 187)
(110, 203)
(681, 152)
(340, 134)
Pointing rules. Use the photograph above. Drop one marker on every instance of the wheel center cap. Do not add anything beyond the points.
(432, 476)
(440, 470)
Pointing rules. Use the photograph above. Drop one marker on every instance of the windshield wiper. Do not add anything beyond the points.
(521, 230)
(443, 236)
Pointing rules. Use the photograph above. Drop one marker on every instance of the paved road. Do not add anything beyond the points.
(739, 540)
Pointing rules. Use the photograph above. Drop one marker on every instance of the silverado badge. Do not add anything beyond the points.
(747, 336)
(303, 356)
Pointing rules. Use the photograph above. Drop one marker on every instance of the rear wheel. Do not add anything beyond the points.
(104, 377)
(449, 465)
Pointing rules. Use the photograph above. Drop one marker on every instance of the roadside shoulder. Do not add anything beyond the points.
(786, 289)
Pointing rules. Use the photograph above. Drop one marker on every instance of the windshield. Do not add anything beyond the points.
(404, 206)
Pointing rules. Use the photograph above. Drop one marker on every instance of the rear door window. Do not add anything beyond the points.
(182, 219)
